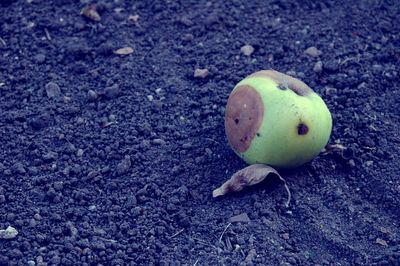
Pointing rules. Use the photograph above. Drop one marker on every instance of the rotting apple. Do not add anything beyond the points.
(275, 119)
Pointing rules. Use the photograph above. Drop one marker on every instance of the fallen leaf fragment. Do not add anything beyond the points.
(333, 148)
(249, 176)
(124, 51)
(90, 12)
(9, 233)
(381, 242)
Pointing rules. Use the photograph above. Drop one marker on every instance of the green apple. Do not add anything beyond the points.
(275, 119)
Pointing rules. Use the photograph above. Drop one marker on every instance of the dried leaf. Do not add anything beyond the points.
(333, 148)
(124, 51)
(381, 242)
(249, 176)
(91, 13)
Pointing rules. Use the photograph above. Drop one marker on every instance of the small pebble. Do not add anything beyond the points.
(92, 95)
(9, 233)
(112, 91)
(318, 67)
(124, 166)
(79, 153)
(312, 51)
(247, 50)
(159, 141)
(285, 236)
(201, 73)
(52, 89)
(40, 58)
(19, 168)
(331, 66)
(150, 98)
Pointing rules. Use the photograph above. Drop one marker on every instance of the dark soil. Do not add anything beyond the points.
(111, 159)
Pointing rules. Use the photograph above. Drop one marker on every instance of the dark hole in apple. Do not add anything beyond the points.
(236, 120)
(302, 129)
(258, 134)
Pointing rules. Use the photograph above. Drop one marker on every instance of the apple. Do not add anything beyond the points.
(272, 118)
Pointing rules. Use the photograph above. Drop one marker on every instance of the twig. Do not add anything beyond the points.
(47, 34)
(177, 233)
(195, 264)
(2, 42)
(222, 235)
(288, 192)
(210, 139)
(204, 243)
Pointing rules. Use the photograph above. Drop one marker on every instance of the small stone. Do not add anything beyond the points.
(330, 91)
(112, 91)
(201, 73)
(150, 98)
(331, 66)
(52, 89)
(247, 50)
(79, 153)
(58, 185)
(251, 255)
(31, 263)
(134, 19)
(318, 67)
(105, 48)
(186, 21)
(50, 156)
(71, 228)
(242, 218)
(9, 233)
(39, 58)
(124, 51)
(285, 236)
(92, 95)
(90, 12)
(312, 51)
(19, 168)
(112, 118)
(187, 37)
(124, 165)
(158, 141)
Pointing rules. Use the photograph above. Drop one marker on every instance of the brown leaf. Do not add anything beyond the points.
(249, 176)
(124, 51)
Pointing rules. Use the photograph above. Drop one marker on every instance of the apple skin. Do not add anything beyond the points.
(275, 119)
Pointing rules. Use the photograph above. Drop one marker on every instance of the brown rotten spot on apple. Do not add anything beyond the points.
(243, 117)
(302, 129)
(284, 81)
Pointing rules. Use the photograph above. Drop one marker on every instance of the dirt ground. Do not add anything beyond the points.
(110, 159)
